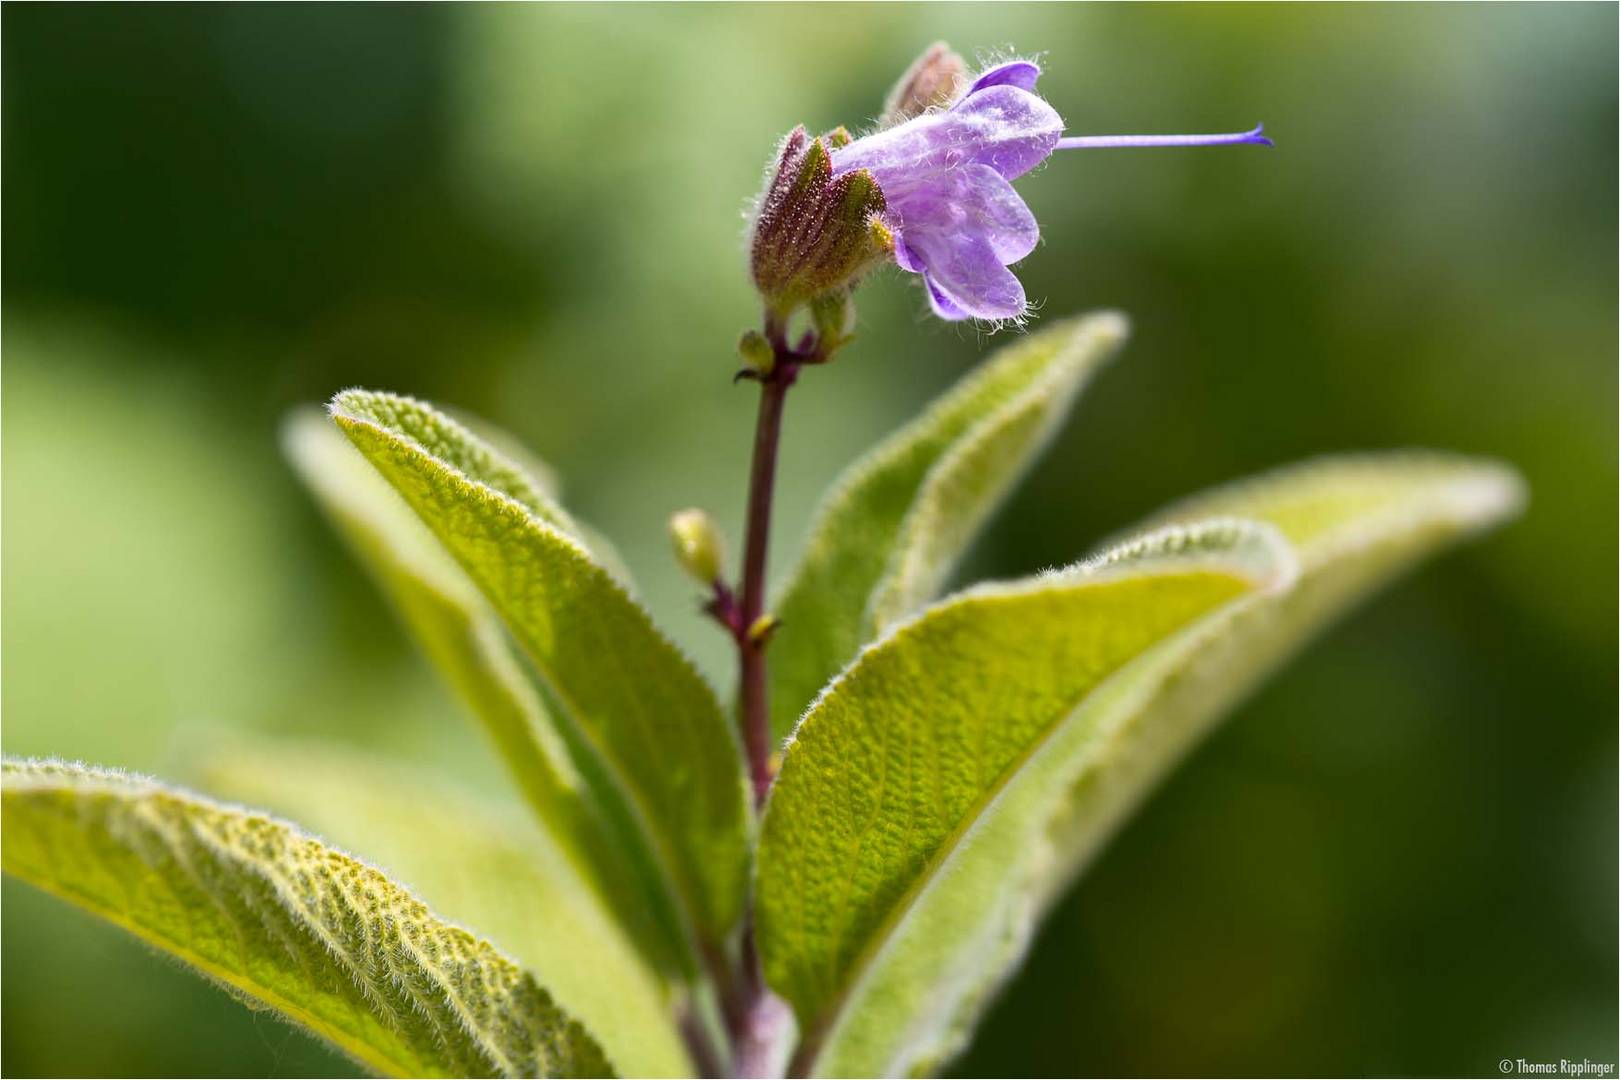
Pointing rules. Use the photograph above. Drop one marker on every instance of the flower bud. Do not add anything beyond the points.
(762, 628)
(756, 353)
(813, 232)
(833, 314)
(698, 546)
(932, 80)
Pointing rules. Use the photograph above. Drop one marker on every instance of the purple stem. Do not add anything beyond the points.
(755, 1018)
(762, 1019)
(1255, 137)
(756, 723)
(704, 1055)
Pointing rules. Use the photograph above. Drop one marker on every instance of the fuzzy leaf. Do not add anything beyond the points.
(896, 521)
(540, 477)
(464, 637)
(288, 923)
(1354, 523)
(648, 717)
(478, 864)
(910, 749)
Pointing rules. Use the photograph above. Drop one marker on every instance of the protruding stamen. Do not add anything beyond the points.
(1256, 137)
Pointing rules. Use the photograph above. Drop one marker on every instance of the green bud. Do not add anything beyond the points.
(698, 546)
(833, 314)
(756, 353)
(762, 628)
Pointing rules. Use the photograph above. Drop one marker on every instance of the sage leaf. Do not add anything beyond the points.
(479, 864)
(461, 634)
(1353, 523)
(896, 521)
(286, 923)
(650, 719)
(911, 748)
(539, 476)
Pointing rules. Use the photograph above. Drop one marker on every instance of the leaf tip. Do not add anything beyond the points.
(342, 402)
(1255, 551)
(1110, 327)
(1492, 492)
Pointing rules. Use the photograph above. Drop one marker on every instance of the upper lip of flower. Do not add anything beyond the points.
(946, 178)
(1000, 125)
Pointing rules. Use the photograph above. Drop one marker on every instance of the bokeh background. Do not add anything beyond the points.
(1399, 858)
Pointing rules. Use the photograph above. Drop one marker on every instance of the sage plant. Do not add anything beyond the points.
(833, 876)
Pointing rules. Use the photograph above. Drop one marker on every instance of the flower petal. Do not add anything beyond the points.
(942, 304)
(904, 257)
(1019, 73)
(972, 200)
(966, 279)
(1007, 128)
(959, 229)
(1012, 130)
(985, 202)
(897, 153)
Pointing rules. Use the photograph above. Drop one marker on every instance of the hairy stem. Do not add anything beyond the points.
(756, 1020)
(755, 704)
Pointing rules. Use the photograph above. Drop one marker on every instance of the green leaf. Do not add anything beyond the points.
(913, 747)
(443, 609)
(288, 923)
(540, 477)
(650, 720)
(896, 521)
(463, 636)
(477, 864)
(1354, 523)
(537, 473)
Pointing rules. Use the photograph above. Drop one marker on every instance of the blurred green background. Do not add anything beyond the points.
(1399, 858)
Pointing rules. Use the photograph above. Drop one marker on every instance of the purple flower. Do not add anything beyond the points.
(946, 181)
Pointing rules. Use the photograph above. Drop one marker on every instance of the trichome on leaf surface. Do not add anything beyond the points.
(833, 877)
